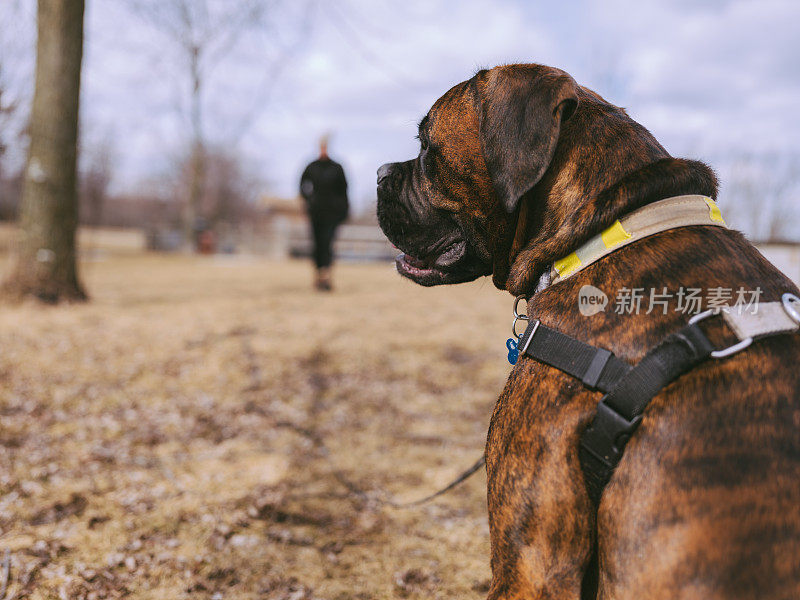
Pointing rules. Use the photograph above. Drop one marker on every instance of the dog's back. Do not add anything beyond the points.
(706, 501)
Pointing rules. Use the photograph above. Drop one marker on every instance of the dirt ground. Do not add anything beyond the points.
(211, 428)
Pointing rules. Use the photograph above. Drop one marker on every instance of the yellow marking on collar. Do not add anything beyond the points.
(670, 213)
(614, 235)
(567, 265)
(713, 211)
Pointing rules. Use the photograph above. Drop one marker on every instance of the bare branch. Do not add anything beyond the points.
(205, 33)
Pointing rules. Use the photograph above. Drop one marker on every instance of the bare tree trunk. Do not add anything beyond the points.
(197, 163)
(45, 262)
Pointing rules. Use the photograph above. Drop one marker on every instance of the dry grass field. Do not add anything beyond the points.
(211, 428)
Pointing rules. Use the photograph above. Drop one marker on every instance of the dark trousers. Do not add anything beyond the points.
(323, 228)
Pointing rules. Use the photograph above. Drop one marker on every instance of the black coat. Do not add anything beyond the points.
(324, 188)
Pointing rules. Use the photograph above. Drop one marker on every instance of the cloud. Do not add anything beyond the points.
(710, 78)
(371, 77)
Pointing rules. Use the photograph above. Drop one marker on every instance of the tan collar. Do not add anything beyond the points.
(678, 211)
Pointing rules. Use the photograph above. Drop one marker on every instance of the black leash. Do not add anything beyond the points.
(356, 490)
(461, 478)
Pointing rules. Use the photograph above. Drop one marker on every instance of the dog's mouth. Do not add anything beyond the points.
(445, 268)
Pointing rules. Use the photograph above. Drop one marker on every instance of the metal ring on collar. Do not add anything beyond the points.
(516, 307)
(791, 304)
(514, 324)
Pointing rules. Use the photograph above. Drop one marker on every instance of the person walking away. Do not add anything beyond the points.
(323, 186)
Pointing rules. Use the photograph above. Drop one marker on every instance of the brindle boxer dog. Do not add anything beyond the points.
(519, 166)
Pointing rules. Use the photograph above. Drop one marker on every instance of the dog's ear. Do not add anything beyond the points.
(521, 112)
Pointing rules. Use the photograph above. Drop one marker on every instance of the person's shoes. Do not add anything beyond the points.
(323, 283)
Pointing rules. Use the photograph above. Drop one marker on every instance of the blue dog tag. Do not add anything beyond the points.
(513, 353)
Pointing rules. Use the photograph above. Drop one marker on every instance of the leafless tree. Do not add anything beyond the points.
(94, 179)
(45, 264)
(763, 193)
(231, 189)
(8, 109)
(8, 106)
(16, 69)
(204, 32)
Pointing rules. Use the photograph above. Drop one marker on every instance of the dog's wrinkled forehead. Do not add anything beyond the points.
(452, 121)
(450, 156)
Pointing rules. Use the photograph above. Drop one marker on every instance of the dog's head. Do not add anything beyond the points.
(483, 145)
(516, 166)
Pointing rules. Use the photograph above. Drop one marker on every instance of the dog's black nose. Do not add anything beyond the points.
(384, 172)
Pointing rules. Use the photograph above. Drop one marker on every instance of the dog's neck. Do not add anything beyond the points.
(547, 229)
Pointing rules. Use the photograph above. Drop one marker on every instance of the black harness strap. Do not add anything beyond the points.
(620, 411)
(628, 390)
(597, 368)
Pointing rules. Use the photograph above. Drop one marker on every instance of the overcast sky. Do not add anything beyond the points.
(714, 79)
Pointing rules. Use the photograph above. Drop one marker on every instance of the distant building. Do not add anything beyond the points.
(284, 233)
(287, 210)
